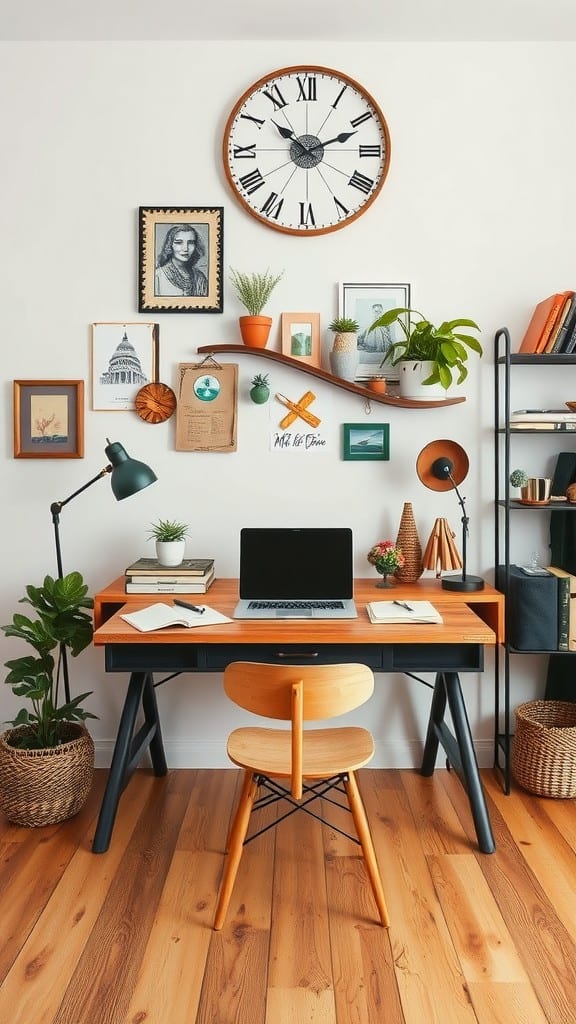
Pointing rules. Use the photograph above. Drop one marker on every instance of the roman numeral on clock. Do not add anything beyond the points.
(275, 96)
(252, 182)
(306, 88)
(361, 182)
(255, 120)
(369, 151)
(306, 215)
(246, 152)
(273, 205)
(342, 210)
(361, 119)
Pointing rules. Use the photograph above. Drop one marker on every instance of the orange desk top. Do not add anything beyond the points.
(476, 617)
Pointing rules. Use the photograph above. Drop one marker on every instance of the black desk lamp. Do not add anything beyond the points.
(127, 476)
(441, 466)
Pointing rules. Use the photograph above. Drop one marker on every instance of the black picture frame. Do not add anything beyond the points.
(166, 285)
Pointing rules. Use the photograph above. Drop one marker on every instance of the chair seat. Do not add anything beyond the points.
(326, 752)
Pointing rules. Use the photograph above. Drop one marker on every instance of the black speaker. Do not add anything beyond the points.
(531, 610)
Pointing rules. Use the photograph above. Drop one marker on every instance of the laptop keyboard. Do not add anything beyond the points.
(290, 606)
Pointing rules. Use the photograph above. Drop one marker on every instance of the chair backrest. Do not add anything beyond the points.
(327, 690)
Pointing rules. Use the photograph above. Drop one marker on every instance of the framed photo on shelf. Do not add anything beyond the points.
(365, 303)
(124, 359)
(301, 337)
(180, 259)
(363, 442)
(48, 419)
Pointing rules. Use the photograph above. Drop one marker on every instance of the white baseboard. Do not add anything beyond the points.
(184, 754)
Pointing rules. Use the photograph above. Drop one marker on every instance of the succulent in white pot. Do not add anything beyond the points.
(344, 357)
(170, 537)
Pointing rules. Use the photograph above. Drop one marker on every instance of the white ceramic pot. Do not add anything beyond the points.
(344, 364)
(170, 552)
(411, 375)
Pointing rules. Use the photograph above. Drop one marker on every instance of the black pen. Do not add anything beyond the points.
(192, 607)
(402, 604)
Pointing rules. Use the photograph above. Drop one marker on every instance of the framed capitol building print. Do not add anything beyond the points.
(124, 359)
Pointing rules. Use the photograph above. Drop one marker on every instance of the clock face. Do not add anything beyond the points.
(306, 150)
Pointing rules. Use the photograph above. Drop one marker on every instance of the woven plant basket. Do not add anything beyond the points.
(544, 747)
(42, 787)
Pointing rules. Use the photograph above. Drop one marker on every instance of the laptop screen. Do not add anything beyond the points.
(290, 563)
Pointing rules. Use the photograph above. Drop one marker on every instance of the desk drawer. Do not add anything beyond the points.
(215, 657)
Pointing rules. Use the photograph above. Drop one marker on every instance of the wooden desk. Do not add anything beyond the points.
(472, 621)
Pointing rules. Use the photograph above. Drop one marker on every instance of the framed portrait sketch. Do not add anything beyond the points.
(48, 419)
(363, 442)
(301, 337)
(365, 303)
(124, 359)
(180, 259)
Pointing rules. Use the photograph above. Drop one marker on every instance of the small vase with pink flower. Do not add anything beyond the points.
(386, 558)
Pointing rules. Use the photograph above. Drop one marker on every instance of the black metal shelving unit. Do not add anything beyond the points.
(504, 506)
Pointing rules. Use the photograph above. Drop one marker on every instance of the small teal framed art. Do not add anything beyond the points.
(363, 442)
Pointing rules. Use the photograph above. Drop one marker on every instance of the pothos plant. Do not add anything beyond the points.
(445, 347)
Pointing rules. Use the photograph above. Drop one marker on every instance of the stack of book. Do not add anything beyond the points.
(147, 576)
(552, 328)
(542, 419)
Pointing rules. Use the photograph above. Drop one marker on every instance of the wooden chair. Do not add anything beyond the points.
(326, 758)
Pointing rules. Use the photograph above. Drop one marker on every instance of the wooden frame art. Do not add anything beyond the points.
(301, 337)
(48, 419)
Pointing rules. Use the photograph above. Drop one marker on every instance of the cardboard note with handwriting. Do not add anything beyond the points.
(207, 410)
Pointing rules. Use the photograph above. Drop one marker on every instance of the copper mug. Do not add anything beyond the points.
(537, 490)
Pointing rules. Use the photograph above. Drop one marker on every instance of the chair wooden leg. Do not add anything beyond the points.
(365, 837)
(236, 844)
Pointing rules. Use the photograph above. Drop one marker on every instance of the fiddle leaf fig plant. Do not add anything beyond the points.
(62, 621)
(446, 347)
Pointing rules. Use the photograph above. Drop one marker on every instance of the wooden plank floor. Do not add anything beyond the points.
(125, 937)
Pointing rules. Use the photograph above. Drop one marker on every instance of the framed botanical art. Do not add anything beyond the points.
(365, 303)
(48, 419)
(301, 337)
(124, 359)
(180, 259)
(364, 442)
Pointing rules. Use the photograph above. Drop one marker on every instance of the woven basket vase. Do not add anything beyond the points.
(42, 787)
(409, 543)
(544, 748)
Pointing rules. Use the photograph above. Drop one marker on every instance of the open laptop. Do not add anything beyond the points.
(292, 573)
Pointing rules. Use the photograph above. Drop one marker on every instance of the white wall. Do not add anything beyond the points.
(477, 214)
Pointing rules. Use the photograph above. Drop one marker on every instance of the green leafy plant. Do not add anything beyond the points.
(444, 346)
(344, 325)
(260, 390)
(260, 380)
(167, 530)
(518, 478)
(61, 622)
(254, 289)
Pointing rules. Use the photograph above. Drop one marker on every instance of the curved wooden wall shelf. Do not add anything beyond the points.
(356, 389)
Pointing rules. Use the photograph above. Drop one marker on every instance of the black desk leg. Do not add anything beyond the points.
(129, 750)
(460, 751)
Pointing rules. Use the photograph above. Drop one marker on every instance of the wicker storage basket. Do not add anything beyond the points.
(42, 787)
(544, 747)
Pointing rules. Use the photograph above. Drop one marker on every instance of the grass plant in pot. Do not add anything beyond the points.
(47, 756)
(428, 357)
(344, 356)
(254, 291)
(170, 537)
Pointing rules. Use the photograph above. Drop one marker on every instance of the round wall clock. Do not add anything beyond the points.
(306, 150)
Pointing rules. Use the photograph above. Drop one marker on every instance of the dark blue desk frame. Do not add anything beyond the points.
(142, 661)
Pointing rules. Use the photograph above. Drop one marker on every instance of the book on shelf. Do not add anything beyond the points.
(542, 323)
(543, 414)
(382, 612)
(152, 567)
(566, 608)
(170, 578)
(554, 343)
(158, 616)
(193, 585)
(570, 342)
(567, 327)
(561, 425)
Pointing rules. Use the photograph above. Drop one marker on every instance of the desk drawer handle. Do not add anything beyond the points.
(294, 654)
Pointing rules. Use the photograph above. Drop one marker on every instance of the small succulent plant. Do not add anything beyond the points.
(518, 478)
(168, 530)
(260, 389)
(344, 325)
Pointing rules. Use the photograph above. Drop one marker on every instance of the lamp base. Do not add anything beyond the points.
(458, 583)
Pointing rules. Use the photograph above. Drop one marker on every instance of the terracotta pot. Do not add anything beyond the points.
(255, 330)
(377, 385)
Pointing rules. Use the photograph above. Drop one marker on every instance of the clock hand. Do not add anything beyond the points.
(343, 137)
(286, 133)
